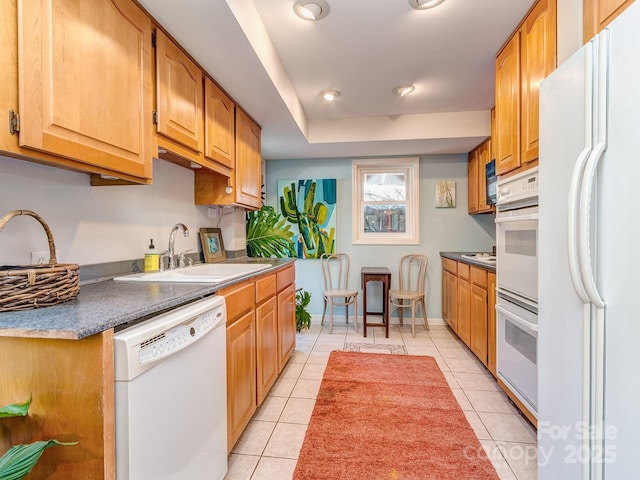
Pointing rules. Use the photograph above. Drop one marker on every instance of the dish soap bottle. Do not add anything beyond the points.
(151, 259)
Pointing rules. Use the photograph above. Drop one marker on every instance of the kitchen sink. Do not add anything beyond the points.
(203, 273)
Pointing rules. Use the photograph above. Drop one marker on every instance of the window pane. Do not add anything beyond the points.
(381, 187)
(384, 218)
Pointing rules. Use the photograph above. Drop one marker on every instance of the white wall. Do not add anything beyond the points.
(97, 224)
(441, 229)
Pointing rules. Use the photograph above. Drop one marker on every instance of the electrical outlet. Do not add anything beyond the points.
(40, 257)
(213, 212)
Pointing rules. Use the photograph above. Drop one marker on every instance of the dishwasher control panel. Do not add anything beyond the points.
(179, 337)
(140, 347)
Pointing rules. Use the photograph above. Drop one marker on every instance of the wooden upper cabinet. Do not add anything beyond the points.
(85, 85)
(484, 157)
(472, 181)
(597, 14)
(248, 161)
(538, 59)
(528, 57)
(219, 126)
(507, 145)
(477, 178)
(179, 95)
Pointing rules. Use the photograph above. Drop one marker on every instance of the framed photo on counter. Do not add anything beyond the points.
(212, 245)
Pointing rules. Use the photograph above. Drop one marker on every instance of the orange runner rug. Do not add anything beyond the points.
(389, 417)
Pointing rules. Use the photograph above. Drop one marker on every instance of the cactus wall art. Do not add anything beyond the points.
(310, 207)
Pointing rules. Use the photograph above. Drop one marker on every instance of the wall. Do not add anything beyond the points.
(98, 224)
(442, 229)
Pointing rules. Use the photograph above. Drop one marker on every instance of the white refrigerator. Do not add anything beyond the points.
(589, 260)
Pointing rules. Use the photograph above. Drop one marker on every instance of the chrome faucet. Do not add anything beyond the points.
(172, 238)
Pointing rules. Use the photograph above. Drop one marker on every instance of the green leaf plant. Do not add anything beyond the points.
(303, 318)
(19, 460)
(268, 234)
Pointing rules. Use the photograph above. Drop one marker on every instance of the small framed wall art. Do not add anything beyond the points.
(445, 194)
(212, 245)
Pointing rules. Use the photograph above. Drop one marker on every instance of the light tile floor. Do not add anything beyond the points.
(269, 447)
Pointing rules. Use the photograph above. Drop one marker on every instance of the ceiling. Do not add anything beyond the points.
(275, 64)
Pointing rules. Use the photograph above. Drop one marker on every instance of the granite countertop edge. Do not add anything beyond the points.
(457, 256)
(108, 304)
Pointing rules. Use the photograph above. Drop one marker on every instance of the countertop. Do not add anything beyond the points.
(457, 256)
(109, 304)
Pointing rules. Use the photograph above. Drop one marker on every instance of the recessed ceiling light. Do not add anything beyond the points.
(403, 90)
(330, 95)
(424, 4)
(312, 10)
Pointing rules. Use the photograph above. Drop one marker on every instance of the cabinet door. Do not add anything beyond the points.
(286, 324)
(538, 59)
(507, 146)
(599, 13)
(85, 83)
(241, 375)
(219, 126)
(483, 159)
(179, 95)
(478, 343)
(472, 181)
(248, 161)
(266, 347)
(463, 311)
(491, 323)
(449, 297)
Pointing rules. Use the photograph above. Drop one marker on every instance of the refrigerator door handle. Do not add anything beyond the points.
(590, 171)
(576, 181)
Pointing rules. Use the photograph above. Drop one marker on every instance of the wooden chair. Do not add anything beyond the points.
(335, 273)
(413, 270)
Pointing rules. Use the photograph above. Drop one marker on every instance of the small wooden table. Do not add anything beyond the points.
(376, 274)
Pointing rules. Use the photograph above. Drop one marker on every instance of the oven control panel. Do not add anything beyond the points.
(521, 189)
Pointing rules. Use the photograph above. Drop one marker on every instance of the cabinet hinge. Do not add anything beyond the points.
(14, 122)
(153, 40)
(155, 118)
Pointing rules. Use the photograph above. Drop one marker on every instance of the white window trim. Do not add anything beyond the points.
(410, 168)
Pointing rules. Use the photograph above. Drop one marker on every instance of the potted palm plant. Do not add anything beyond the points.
(19, 460)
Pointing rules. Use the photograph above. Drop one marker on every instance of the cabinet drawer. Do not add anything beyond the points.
(463, 270)
(239, 298)
(285, 278)
(450, 265)
(479, 276)
(265, 287)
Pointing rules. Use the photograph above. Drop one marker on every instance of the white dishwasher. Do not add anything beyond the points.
(171, 395)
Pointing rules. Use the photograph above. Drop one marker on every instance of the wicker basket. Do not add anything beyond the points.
(23, 287)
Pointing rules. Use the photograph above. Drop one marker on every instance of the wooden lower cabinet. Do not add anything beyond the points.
(241, 375)
(449, 284)
(463, 310)
(491, 323)
(478, 321)
(260, 340)
(72, 386)
(266, 347)
(286, 324)
(468, 307)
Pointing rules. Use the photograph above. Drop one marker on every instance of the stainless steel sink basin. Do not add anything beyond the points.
(204, 273)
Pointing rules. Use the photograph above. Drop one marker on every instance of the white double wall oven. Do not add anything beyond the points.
(517, 286)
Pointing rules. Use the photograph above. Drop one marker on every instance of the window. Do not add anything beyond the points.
(385, 201)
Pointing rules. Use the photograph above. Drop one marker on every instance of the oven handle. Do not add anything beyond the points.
(519, 218)
(518, 319)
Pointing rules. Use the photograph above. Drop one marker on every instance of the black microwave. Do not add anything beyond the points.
(492, 182)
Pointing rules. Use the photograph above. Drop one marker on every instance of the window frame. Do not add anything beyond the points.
(409, 167)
